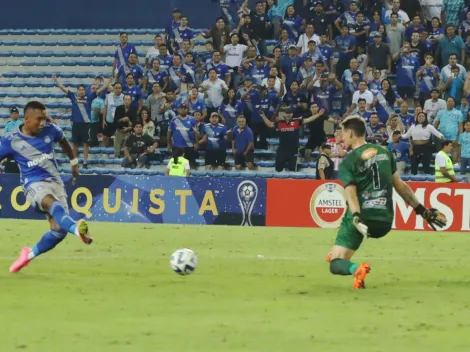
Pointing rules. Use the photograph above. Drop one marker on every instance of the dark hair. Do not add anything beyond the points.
(122, 33)
(455, 68)
(162, 44)
(394, 14)
(184, 17)
(325, 146)
(129, 74)
(361, 100)
(34, 105)
(426, 121)
(312, 42)
(232, 101)
(82, 86)
(177, 152)
(390, 95)
(157, 36)
(285, 13)
(449, 26)
(356, 125)
(212, 69)
(234, 33)
(446, 142)
(116, 83)
(144, 108)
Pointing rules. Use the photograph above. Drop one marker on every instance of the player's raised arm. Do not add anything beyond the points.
(60, 85)
(432, 216)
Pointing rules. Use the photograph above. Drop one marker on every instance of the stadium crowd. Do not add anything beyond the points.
(401, 66)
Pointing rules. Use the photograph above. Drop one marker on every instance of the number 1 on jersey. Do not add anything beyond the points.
(375, 176)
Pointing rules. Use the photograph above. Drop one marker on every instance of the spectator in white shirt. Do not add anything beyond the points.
(302, 44)
(403, 17)
(434, 105)
(362, 93)
(214, 89)
(234, 53)
(446, 71)
(153, 51)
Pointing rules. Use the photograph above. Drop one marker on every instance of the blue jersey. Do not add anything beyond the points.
(407, 66)
(407, 119)
(231, 112)
(12, 125)
(401, 152)
(242, 138)
(198, 105)
(166, 61)
(81, 106)
(221, 69)
(122, 54)
(262, 105)
(327, 52)
(464, 141)
(188, 71)
(215, 135)
(96, 104)
(428, 81)
(383, 107)
(135, 93)
(323, 97)
(412, 29)
(179, 35)
(365, 115)
(349, 85)
(176, 73)
(158, 78)
(290, 67)
(257, 74)
(34, 155)
(183, 131)
(293, 26)
(136, 70)
(316, 56)
(343, 44)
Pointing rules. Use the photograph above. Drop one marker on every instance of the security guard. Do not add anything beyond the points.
(443, 164)
(178, 165)
(325, 166)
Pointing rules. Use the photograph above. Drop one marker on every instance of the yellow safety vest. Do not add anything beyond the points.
(449, 167)
(178, 168)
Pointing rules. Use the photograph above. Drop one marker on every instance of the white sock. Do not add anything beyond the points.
(31, 255)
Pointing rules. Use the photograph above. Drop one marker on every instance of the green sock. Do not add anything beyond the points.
(342, 267)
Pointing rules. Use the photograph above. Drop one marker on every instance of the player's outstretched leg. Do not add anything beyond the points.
(66, 223)
(48, 241)
(340, 266)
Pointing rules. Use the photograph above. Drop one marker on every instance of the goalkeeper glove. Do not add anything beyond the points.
(360, 226)
(432, 216)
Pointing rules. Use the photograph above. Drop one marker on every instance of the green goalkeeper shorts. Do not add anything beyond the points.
(349, 237)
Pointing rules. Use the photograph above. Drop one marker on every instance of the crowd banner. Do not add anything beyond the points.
(311, 203)
(150, 199)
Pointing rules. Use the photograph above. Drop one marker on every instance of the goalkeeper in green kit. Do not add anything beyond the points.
(368, 174)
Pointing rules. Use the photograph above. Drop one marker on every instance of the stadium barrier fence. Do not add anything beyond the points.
(231, 201)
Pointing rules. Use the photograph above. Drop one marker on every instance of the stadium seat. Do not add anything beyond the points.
(264, 174)
(134, 172)
(92, 43)
(64, 42)
(199, 172)
(55, 63)
(39, 74)
(74, 54)
(12, 74)
(70, 63)
(59, 54)
(5, 53)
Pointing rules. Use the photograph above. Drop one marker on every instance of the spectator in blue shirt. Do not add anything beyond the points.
(326, 50)
(345, 44)
(453, 86)
(223, 71)
(166, 60)
(131, 67)
(292, 23)
(428, 75)
(14, 122)
(407, 67)
(230, 109)
(175, 73)
(400, 151)
(181, 33)
(450, 123)
(213, 136)
(174, 23)
(450, 11)
(134, 91)
(414, 27)
(464, 142)
(123, 50)
(97, 108)
(182, 133)
(291, 64)
(155, 75)
(243, 145)
(451, 44)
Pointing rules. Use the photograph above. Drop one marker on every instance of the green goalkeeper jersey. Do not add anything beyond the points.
(370, 167)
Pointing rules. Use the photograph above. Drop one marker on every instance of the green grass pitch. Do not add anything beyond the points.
(121, 295)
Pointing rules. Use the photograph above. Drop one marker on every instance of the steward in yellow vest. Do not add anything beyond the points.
(178, 165)
(443, 165)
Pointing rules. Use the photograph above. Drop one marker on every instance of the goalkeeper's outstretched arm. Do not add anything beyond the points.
(405, 191)
(432, 216)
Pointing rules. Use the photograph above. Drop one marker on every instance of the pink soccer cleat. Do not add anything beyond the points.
(82, 232)
(21, 262)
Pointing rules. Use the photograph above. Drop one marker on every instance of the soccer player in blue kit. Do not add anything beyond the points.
(32, 147)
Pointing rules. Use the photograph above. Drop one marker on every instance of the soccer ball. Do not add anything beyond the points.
(247, 192)
(183, 261)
